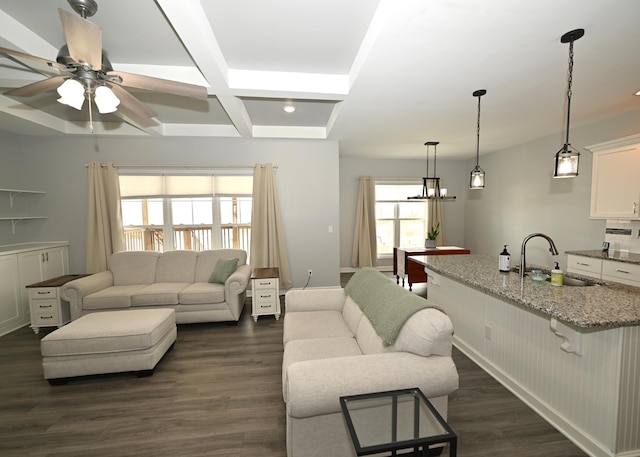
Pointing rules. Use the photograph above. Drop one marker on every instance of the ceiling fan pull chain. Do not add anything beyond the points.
(90, 111)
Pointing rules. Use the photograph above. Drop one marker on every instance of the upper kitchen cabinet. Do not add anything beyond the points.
(615, 182)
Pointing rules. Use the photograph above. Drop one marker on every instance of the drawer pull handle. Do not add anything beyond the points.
(46, 317)
(583, 264)
(265, 296)
(45, 306)
(44, 293)
(265, 283)
(265, 306)
(622, 271)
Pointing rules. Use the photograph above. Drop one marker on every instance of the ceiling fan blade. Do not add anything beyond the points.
(161, 85)
(37, 87)
(132, 104)
(84, 39)
(16, 55)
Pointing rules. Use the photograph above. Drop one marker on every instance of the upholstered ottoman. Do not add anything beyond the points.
(108, 342)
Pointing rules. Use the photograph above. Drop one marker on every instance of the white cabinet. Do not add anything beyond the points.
(615, 182)
(265, 290)
(607, 270)
(11, 310)
(40, 264)
(20, 266)
(622, 272)
(585, 266)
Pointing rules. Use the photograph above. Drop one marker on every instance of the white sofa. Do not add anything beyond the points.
(332, 349)
(174, 279)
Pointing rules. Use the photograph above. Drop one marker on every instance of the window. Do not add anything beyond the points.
(399, 221)
(194, 212)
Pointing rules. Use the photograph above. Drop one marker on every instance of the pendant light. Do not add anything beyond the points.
(566, 160)
(431, 189)
(476, 180)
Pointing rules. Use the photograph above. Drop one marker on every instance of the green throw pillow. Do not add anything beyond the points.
(224, 268)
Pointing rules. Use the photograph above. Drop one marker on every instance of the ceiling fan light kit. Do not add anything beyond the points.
(86, 73)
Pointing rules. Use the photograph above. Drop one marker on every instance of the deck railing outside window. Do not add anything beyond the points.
(184, 237)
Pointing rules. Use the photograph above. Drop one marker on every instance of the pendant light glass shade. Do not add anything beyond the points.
(106, 100)
(566, 160)
(476, 180)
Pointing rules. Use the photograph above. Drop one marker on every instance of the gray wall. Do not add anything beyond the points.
(521, 197)
(449, 170)
(307, 178)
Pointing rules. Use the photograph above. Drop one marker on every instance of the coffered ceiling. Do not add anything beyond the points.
(380, 76)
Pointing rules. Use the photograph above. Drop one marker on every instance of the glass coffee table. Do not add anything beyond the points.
(396, 420)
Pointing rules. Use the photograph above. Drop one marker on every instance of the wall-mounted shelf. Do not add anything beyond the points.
(14, 192)
(15, 219)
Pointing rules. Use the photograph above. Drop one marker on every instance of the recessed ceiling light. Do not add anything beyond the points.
(638, 93)
(289, 108)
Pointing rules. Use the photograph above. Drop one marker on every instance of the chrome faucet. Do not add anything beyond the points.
(523, 250)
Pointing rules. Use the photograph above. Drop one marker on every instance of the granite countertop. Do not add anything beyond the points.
(617, 256)
(603, 306)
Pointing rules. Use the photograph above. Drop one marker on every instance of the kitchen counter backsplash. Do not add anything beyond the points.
(623, 235)
(617, 256)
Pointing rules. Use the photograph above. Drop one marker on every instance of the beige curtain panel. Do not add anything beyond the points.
(268, 248)
(365, 251)
(104, 216)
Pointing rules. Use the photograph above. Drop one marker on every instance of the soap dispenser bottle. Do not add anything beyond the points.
(556, 276)
(504, 260)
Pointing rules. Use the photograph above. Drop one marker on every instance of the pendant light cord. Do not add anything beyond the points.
(570, 83)
(478, 136)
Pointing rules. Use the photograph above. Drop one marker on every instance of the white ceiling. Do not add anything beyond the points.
(382, 77)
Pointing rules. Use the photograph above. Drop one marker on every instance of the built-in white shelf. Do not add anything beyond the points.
(15, 219)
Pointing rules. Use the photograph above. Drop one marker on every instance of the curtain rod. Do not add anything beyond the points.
(184, 167)
(383, 180)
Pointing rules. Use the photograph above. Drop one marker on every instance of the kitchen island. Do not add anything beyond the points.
(571, 353)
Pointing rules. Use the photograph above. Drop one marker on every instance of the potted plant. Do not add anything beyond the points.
(430, 242)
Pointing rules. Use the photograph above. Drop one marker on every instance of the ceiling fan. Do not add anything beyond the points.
(82, 71)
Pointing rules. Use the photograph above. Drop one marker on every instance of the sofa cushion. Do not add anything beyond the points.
(314, 324)
(176, 266)
(111, 297)
(158, 294)
(352, 314)
(224, 268)
(202, 293)
(316, 348)
(133, 267)
(207, 261)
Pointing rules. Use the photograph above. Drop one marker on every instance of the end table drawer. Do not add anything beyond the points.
(45, 319)
(44, 306)
(266, 308)
(266, 297)
(268, 283)
(43, 292)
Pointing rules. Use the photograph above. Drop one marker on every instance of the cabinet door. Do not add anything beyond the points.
(56, 262)
(615, 187)
(11, 310)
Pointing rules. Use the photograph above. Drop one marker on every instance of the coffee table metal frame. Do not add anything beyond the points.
(422, 410)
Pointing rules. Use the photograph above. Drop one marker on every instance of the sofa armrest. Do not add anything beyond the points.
(235, 288)
(314, 387)
(75, 291)
(315, 299)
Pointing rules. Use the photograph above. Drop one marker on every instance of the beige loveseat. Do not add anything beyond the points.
(332, 349)
(174, 279)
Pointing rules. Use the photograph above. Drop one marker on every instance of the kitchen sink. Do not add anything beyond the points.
(574, 282)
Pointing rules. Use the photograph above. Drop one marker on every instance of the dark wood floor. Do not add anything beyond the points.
(218, 393)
